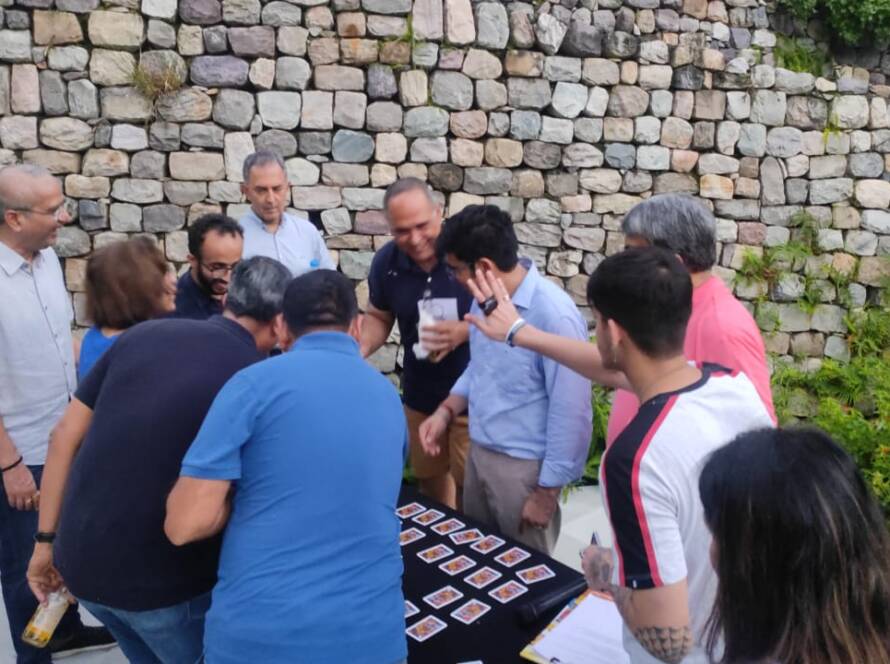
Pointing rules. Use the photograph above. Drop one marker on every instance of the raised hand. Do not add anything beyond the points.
(498, 322)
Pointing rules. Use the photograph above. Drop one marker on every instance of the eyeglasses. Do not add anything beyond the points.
(56, 213)
(219, 269)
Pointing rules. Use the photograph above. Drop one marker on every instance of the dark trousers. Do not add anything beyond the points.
(17, 530)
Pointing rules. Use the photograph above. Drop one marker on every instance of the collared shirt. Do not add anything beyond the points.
(37, 371)
(149, 394)
(396, 284)
(525, 405)
(721, 331)
(296, 243)
(194, 302)
(320, 569)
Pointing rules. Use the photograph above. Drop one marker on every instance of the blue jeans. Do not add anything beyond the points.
(17, 530)
(172, 635)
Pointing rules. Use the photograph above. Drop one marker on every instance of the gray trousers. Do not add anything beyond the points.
(496, 487)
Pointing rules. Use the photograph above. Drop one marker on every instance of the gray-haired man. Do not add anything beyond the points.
(117, 451)
(268, 229)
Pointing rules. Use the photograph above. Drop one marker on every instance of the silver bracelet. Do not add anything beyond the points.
(517, 325)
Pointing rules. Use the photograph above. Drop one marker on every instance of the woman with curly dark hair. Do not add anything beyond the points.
(801, 551)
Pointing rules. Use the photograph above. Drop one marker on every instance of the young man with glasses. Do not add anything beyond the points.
(216, 243)
(37, 378)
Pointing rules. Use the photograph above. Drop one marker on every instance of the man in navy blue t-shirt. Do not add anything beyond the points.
(115, 455)
(310, 569)
(407, 275)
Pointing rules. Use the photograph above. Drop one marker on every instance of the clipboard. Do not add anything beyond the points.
(530, 652)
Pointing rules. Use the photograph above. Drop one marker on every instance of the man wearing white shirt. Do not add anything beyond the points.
(37, 377)
(268, 229)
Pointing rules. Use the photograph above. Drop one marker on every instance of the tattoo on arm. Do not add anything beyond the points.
(669, 644)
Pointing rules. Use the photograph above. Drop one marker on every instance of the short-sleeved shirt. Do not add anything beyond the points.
(649, 477)
(149, 394)
(296, 243)
(37, 370)
(310, 568)
(396, 284)
(720, 330)
(92, 347)
(194, 302)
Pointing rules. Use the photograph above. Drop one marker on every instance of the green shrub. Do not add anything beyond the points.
(856, 22)
(850, 401)
(798, 56)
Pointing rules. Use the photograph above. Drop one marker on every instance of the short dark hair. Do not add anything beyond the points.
(801, 552)
(648, 292)
(480, 231)
(403, 185)
(320, 298)
(222, 224)
(257, 288)
(125, 283)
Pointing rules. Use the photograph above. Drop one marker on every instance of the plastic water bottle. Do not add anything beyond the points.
(46, 618)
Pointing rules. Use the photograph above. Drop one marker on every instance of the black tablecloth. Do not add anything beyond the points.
(498, 636)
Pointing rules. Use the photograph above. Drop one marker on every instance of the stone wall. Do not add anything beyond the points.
(565, 114)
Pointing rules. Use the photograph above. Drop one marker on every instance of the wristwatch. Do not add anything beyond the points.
(44, 538)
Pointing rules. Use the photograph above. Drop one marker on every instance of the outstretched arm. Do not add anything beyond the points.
(579, 356)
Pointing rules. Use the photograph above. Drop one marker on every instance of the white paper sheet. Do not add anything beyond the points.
(590, 634)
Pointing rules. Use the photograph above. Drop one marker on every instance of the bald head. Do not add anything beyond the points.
(19, 184)
(32, 208)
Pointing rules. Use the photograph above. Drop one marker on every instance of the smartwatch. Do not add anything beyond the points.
(44, 538)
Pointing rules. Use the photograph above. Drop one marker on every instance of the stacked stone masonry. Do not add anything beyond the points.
(564, 114)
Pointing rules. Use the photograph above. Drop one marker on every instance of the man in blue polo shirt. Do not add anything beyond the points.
(407, 274)
(310, 569)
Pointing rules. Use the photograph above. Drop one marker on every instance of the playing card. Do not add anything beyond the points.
(507, 591)
(407, 511)
(466, 536)
(470, 611)
(444, 597)
(482, 577)
(512, 557)
(410, 535)
(447, 526)
(428, 517)
(487, 543)
(424, 629)
(410, 609)
(457, 565)
(535, 574)
(434, 553)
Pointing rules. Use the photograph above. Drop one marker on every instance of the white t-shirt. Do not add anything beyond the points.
(649, 477)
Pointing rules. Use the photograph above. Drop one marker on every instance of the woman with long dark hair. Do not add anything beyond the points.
(801, 551)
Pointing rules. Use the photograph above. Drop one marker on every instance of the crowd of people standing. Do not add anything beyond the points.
(173, 472)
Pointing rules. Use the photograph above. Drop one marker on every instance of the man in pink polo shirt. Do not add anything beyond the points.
(720, 329)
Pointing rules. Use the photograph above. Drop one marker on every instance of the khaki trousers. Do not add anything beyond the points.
(496, 487)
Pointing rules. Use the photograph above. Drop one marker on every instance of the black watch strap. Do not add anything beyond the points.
(44, 538)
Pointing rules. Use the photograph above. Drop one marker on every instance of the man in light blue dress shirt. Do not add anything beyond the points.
(268, 229)
(530, 417)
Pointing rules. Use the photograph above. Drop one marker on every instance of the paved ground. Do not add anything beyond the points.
(582, 514)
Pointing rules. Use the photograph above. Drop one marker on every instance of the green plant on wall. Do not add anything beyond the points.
(856, 22)
(154, 84)
(797, 55)
(850, 401)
